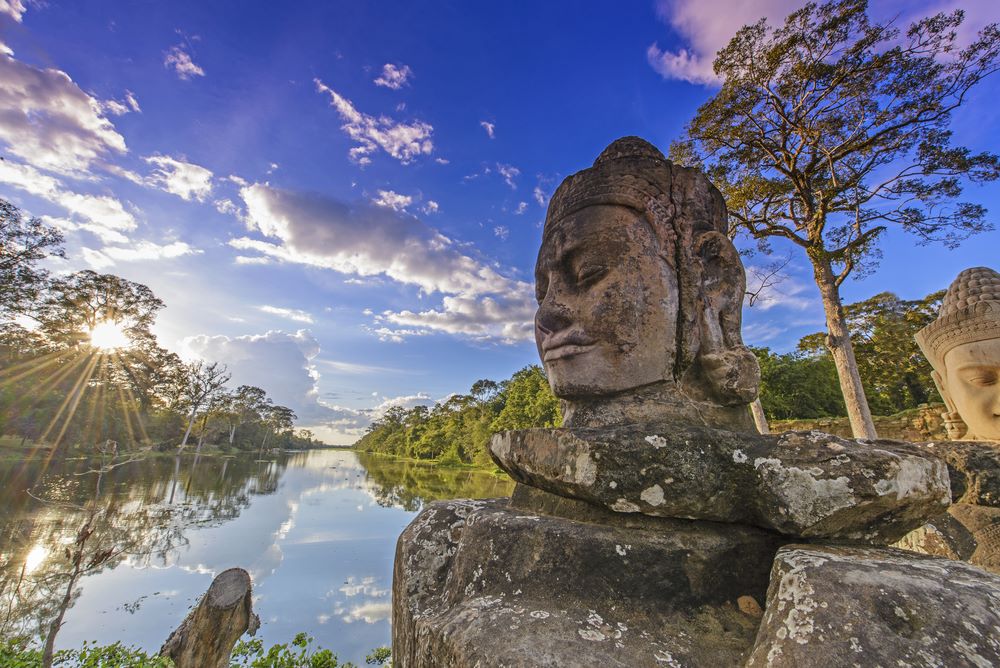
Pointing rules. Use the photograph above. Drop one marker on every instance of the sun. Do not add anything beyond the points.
(109, 335)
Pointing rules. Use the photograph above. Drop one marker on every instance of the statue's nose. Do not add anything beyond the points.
(552, 315)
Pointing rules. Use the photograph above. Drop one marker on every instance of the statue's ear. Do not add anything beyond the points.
(729, 367)
(942, 388)
(723, 286)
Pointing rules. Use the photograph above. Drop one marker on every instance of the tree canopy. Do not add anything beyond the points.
(831, 128)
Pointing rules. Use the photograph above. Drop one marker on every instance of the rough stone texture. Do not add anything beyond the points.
(482, 583)
(800, 484)
(973, 468)
(914, 426)
(839, 606)
(966, 532)
(640, 296)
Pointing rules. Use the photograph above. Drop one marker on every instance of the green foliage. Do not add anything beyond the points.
(458, 430)
(22, 244)
(297, 654)
(18, 654)
(798, 385)
(896, 375)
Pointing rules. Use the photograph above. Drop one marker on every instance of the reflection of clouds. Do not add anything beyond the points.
(369, 612)
(366, 586)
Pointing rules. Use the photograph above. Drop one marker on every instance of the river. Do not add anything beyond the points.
(316, 530)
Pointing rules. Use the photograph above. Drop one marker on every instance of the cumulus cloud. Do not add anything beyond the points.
(431, 207)
(13, 8)
(403, 141)
(141, 251)
(394, 76)
(392, 200)
(49, 122)
(521, 208)
(179, 60)
(366, 240)
(184, 179)
(501, 232)
(119, 107)
(291, 313)
(489, 127)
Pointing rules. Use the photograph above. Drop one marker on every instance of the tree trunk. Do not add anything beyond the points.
(838, 340)
(206, 637)
(759, 418)
(188, 431)
(232, 434)
(201, 434)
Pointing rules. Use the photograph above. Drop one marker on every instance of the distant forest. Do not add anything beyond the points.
(800, 384)
(63, 386)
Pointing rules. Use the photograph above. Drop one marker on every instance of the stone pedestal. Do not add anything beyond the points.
(487, 583)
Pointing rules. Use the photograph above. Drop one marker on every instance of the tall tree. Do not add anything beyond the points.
(23, 242)
(830, 129)
(201, 385)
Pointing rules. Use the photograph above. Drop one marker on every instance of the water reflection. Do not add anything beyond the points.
(122, 554)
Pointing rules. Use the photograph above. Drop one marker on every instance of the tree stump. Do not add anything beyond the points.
(206, 637)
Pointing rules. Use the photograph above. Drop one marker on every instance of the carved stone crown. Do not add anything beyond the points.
(630, 172)
(970, 312)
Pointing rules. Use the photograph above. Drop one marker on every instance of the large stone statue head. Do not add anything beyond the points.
(963, 346)
(640, 294)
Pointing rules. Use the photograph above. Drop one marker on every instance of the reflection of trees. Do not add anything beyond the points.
(409, 485)
(75, 518)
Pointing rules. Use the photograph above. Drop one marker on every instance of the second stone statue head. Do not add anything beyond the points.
(640, 294)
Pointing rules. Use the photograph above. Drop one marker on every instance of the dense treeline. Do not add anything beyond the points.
(80, 366)
(896, 376)
(458, 430)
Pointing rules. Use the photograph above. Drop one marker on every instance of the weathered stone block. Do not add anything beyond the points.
(488, 584)
(841, 606)
(966, 532)
(806, 484)
(974, 470)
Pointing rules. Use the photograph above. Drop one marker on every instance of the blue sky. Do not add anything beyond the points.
(342, 201)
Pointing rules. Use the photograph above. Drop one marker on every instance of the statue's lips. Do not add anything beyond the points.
(566, 350)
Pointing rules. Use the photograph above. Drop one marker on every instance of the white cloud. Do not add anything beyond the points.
(370, 612)
(431, 207)
(776, 288)
(501, 231)
(394, 76)
(142, 251)
(507, 318)
(489, 127)
(184, 179)
(49, 122)
(290, 313)
(363, 240)
(706, 26)
(180, 60)
(508, 172)
(13, 8)
(392, 200)
(442, 161)
(403, 141)
(521, 208)
(103, 215)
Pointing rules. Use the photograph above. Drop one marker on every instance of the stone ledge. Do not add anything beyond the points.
(839, 606)
(805, 484)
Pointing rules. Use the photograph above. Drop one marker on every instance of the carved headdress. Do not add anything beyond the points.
(970, 312)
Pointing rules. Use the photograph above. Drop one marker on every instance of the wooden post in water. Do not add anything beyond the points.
(206, 637)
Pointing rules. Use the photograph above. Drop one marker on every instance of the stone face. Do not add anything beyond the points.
(966, 532)
(963, 346)
(800, 484)
(840, 606)
(640, 296)
(973, 468)
(488, 584)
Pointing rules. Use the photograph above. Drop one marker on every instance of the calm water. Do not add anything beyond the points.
(316, 530)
